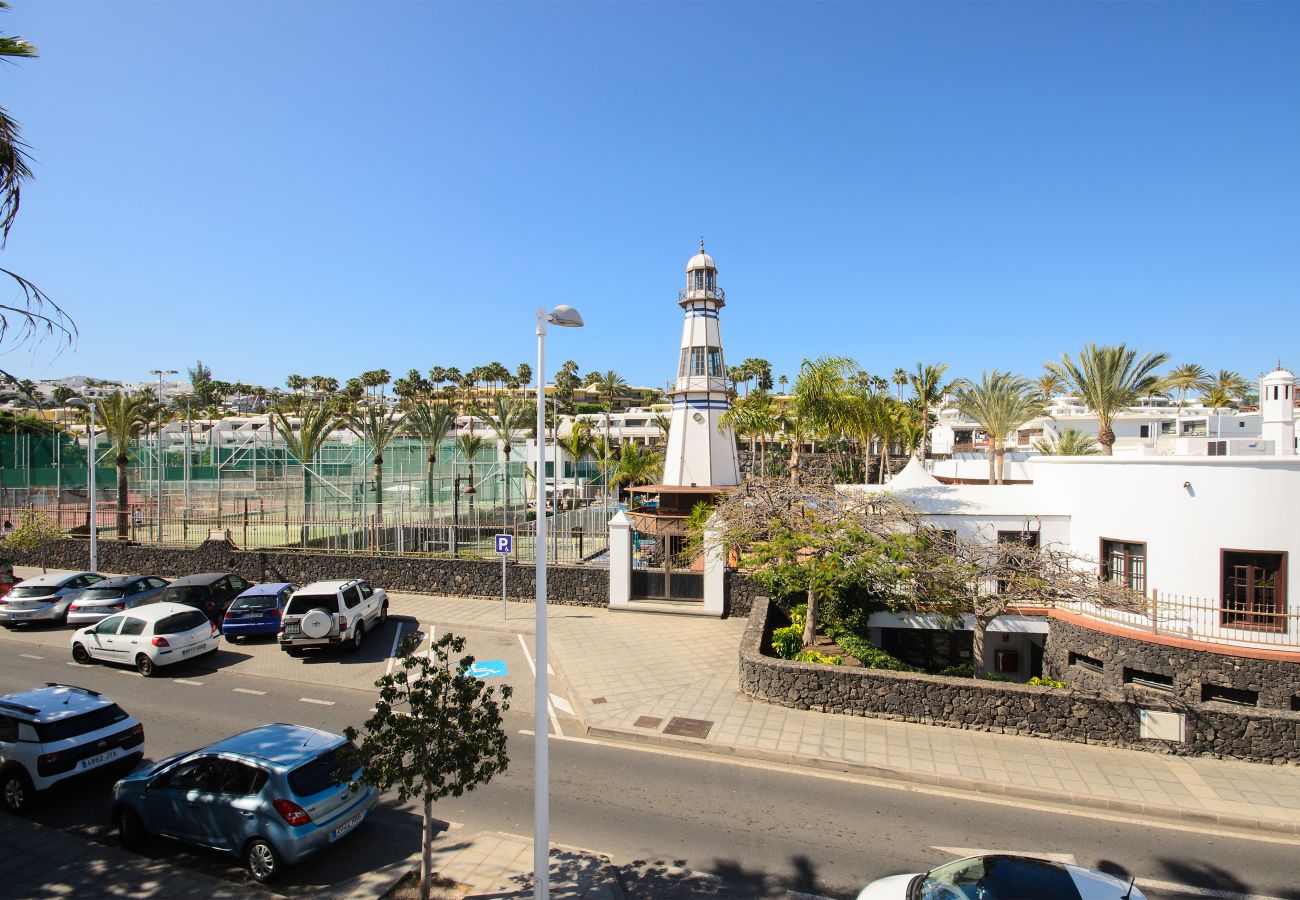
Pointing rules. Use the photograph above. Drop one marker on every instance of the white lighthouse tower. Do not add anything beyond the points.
(700, 453)
(1277, 410)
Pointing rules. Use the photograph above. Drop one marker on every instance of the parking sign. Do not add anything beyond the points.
(503, 543)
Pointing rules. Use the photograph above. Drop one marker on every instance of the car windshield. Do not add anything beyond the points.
(23, 590)
(102, 593)
(322, 772)
(79, 725)
(180, 623)
(998, 878)
(304, 603)
(183, 595)
(260, 601)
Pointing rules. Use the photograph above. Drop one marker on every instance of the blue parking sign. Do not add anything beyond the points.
(503, 543)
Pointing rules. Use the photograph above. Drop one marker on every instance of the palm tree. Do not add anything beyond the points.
(1217, 398)
(609, 385)
(377, 426)
(1231, 383)
(469, 444)
(930, 389)
(1000, 402)
(866, 406)
(508, 416)
(1108, 379)
(664, 423)
(1185, 378)
(638, 466)
(901, 379)
(429, 423)
(783, 381)
(122, 417)
(818, 403)
(1071, 442)
(1048, 385)
(316, 423)
(577, 446)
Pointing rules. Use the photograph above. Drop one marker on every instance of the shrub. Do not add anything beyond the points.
(787, 642)
(965, 670)
(799, 615)
(871, 656)
(812, 656)
(1047, 681)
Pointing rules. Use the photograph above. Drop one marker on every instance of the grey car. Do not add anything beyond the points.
(44, 599)
(271, 796)
(112, 595)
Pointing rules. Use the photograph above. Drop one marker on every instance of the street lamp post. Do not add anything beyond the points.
(89, 405)
(568, 317)
(162, 471)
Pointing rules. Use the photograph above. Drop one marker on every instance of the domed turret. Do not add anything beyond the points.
(1277, 410)
(701, 281)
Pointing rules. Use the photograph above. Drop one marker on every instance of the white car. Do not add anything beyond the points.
(1002, 876)
(331, 614)
(44, 599)
(146, 637)
(59, 732)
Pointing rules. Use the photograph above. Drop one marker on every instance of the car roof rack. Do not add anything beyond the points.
(19, 708)
(73, 687)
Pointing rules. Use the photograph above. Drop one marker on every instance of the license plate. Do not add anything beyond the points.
(347, 826)
(99, 759)
(291, 629)
(21, 615)
(193, 649)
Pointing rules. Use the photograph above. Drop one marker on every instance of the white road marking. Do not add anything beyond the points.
(129, 673)
(188, 681)
(77, 664)
(555, 721)
(561, 704)
(972, 796)
(392, 654)
(317, 702)
(30, 656)
(248, 691)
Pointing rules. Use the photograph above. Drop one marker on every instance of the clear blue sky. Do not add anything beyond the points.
(325, 188)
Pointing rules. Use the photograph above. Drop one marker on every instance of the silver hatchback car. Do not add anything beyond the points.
(44, 599)
(270, 795)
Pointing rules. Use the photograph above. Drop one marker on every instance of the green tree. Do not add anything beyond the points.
(436, 732)
(664, 422)
(818, 403)
(609, 385)
(1000, 402)
(121, 418)
(929, 389)
(507, 417)
(34, 533)
(637, 465)
(429, 423)
(1070, 443)
(1109, 379)
(316, 422)
(577, 445)
(1048, 385)
(378, 426)
(470, 445)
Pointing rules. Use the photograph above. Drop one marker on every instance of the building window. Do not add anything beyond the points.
(715, 362)
(1083, 661)
(681, 368)
(697, 360)
(1236, 696)
(1124, 562)
(1143, 431)
(1195, 428)
(1154, 680)
(1168, 427)
(1028, 538)
(1254, 590)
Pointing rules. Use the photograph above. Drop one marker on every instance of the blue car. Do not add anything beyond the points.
(270, 796)
(256, 612)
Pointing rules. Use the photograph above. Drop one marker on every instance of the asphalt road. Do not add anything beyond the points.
(680, 825)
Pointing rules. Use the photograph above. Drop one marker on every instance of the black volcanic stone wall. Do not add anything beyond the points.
(570, 585)
(1081, 716)
(740, 591)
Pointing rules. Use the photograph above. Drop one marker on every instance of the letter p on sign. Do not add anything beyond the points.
(503, 543)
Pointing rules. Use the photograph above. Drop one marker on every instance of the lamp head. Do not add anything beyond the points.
(565, 316)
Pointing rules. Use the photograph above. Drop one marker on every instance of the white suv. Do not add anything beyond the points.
(331, 613)
(57, 732)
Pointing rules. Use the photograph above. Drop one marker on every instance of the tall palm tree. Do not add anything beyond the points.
(122, 417)
(1109, 379)
(1185, 378)
(469, 444)
(429, 423)
(508, 416)
(1071, 442)
(1000, 402)
(664, 422)
(577, 446)
(818, 404)
(609, 385)
(900, 379)
(1231, 383)
(316, 423)
(765, 419)
(1048, 385)
(929, 389)
(636, 466)
(377, 426)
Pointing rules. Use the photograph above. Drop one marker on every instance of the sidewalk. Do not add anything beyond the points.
(675, 680)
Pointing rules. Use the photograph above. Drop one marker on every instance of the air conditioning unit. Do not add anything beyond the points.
(1006, 661)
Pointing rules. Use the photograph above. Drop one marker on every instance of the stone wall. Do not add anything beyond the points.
(1080, 716)
(570, 585)
(1071, 650)
(741, 590)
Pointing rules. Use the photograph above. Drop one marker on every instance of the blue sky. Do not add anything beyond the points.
(325, 188)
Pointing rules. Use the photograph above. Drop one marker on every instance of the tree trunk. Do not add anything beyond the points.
(993, 462)
(122, 485)
(884, 461)
(306, 506)
(379, 489)
(794, 462)
(810, 624)
(977, 644)
(866, 460)
(1106, 438)
(433, 458)
(1002, 461)
(426, 849)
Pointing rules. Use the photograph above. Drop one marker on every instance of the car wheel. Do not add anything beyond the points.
(144, 665)
(262, 860)
(130, 830)
(16, 789)
(80, 653)
(358, 636)
(383, 615)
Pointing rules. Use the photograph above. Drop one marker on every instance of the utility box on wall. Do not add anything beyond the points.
(1161, 725)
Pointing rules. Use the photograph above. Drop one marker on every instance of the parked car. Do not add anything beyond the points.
(211, 592)
(256, 612)
(147, 637)
(113, 595)
(59, 732)
(1002, 876)
(45, 598)
(331, 613)
(269, 795)
(7, 582)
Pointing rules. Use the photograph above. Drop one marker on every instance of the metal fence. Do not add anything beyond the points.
(1201, 619)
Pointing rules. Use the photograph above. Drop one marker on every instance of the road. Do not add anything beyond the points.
(679, 824)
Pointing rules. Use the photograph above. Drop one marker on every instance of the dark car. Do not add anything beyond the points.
(211, 592)
(257, 611)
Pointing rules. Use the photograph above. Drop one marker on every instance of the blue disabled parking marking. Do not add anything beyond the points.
(488, 668)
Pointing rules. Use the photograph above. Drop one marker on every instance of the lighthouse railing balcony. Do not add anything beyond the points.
(716, 294)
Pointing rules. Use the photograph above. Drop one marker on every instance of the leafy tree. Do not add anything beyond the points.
(577, 446)
(436, 732)
(507, 416)
(202, 386)
(378, 426)
(929, 389)
(1070, 443)
(664, 422)
(1048, 385)
(1109, 379)
(818, 403)
(121, 418)
(316, 423)
(469, 444)
(637, 465)
(1185, 378)
(429, 423)
(610, 385)
(1000, 402)
(35, 532)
